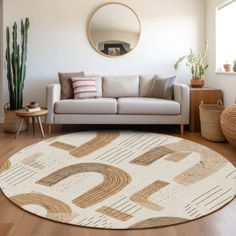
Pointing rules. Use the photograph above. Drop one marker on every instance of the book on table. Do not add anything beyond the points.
(35, 109)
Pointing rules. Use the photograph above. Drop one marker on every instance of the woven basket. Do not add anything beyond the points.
(210, 121)
(228, 124)
(12, 121)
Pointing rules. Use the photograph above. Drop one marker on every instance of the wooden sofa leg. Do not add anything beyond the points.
(50, 128)
(181, 129)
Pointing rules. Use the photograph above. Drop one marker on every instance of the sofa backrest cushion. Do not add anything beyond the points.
(67, 91)
(145, 84)
(120, 86)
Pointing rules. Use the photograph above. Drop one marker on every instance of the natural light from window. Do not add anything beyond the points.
(225, 36)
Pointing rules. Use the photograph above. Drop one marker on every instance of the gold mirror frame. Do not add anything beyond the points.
(89, 28)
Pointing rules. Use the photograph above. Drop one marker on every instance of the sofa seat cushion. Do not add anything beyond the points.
(148, 106)
(87, 106)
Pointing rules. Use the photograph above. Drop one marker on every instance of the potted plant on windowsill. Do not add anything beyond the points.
(234, 67)
(16, 56)
(227, 67)
(197, 66)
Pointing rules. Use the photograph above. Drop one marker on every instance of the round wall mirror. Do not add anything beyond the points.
(114, 29)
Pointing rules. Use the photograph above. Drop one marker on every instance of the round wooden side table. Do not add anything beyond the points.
(23, 114)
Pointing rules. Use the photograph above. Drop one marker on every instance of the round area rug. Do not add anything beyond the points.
(118, 180)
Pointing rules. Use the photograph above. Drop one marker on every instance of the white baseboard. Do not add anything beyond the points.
(1, 119)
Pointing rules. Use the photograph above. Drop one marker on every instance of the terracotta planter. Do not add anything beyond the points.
(197, 83)
(227, 67)
(12, 121)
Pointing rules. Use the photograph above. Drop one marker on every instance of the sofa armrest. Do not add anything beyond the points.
(53, 95)
(181, 95)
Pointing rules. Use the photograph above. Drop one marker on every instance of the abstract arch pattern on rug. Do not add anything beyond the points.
(55, 208)
(151, 156)
(206, 167)
(141, 197)
(5, 166)
(157, 221)
(120, 180)
(114, 213)
(32, 161)
(101, 140)
(114, 181)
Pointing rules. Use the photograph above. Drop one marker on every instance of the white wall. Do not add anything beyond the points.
(58, 39)
(226, 82)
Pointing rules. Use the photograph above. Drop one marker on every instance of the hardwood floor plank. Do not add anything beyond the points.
(5, 228)
(16, 222)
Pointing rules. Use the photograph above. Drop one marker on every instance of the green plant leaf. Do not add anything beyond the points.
(16, 63)
(196, 62)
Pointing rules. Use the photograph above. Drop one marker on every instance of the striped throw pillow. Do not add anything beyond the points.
(84, 87)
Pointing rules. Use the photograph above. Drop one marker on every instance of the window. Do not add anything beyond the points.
(225, 35)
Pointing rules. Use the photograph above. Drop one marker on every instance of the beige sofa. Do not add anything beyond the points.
(121, 100)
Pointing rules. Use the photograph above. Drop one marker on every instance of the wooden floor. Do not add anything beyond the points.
(14, 221)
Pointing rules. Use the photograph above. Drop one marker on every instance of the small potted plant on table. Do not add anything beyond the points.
(197, 66)
(16, 56)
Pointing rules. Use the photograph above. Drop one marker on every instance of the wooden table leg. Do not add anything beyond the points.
(49, 128)
(181, 129)
(33, 123)
(40, 125)
(19, 128)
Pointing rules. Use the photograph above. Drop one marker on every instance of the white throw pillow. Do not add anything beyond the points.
(84, 87)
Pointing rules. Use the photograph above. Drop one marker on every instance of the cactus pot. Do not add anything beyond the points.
(12, 121)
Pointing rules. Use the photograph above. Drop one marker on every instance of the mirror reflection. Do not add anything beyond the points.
(114, 29)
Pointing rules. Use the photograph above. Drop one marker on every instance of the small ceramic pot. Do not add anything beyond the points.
(32, 105)
(227, 67)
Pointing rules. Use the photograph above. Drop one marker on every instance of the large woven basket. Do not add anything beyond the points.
(12, 121)
(210, 121)
(228, 124)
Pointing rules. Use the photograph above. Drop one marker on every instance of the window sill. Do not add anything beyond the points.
(225, 73)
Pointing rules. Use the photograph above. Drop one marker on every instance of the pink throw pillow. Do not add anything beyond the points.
(84, 87)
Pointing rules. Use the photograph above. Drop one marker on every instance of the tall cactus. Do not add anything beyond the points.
(16, 56)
